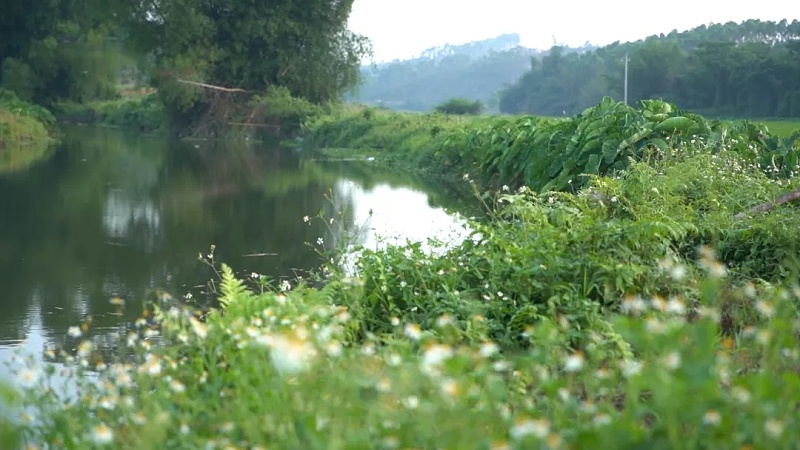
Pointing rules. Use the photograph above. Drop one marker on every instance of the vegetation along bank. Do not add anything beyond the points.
(643, 304)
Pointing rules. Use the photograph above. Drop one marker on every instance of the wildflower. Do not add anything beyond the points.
(85, 349)
(106, 403)
(333, 349)
(774, 428)
(601, 419)
(451, 387)
(435, 355)
(554, 440)
(488, 349)
(285, 285)
(631, 368)
(526, 427)
(152, 366)
(395, 321)
(184, 428)
(291, 354)
(74, 332)
(139, 419)
(678, 272)
(444, 320)
(675, 306)
(383, 385)
(672, 360)
(320, 241)
(633, 304)
(28, 377)
(177, 386)
(411, 402)
(712, 417)
(413, 331)
(102, 434)
(574, 362)
(741, 394)
(199, 328)
(655, 326)
(765, 308)
(117, 301)
(306, 219)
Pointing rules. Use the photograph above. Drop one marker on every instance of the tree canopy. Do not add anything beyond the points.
(62, 49)
(747, 69)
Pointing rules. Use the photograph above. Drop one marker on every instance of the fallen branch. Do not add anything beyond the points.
(211, 86)
(252, 255)
(764, 207)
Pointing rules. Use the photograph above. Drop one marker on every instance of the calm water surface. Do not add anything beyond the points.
(109, 214)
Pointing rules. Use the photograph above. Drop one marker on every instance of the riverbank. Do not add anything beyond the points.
(26, 132)
(643, 305)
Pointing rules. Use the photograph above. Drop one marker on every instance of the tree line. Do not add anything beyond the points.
(75, 50)
(748, 69)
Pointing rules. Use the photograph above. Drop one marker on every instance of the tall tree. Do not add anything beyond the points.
(303, 45)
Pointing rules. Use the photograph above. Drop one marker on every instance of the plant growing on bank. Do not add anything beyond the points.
(460, 106)
(638, 311)
(549, 154)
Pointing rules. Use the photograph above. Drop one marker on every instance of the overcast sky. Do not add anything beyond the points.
(404, 28)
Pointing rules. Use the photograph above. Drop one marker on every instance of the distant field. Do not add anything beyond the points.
(782, 128)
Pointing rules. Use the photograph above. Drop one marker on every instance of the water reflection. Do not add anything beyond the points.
(111, 215)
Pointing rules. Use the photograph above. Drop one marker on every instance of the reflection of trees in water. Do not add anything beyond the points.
(118, 215)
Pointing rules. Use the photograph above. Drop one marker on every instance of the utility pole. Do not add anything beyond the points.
(626, 78)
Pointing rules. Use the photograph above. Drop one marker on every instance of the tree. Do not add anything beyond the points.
(57, 49)
(303, 45)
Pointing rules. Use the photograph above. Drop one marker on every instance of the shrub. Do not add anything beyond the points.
(460, 106)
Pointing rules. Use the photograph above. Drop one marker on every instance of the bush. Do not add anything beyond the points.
(460, 106)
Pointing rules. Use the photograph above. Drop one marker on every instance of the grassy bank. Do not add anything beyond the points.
(541, 153)
(26, 132)
(22, 123)
(634, 308)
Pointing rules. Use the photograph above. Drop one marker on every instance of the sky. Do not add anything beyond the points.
(401, 29)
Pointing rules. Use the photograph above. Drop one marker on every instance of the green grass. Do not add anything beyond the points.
(782, 128)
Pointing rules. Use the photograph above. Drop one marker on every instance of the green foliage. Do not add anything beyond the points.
(460, 106)
(304, 47)
(59, 50)
(550, 154)
(288, 111)
(145, 113)
(22, 125)
(741, 70)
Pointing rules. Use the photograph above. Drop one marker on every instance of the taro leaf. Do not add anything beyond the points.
(679, 123)
(593, 165)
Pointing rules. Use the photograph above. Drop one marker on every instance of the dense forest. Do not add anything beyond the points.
(750, 69)
(476, 70)
(72, 50)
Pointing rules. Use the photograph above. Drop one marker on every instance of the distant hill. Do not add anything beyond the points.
(475, 70)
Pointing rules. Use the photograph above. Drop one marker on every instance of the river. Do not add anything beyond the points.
(111, 219)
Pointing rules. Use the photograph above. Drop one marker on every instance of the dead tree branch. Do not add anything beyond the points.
(211, 86)
(764, 207)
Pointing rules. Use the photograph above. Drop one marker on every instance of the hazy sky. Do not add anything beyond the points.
(404, 28)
